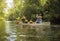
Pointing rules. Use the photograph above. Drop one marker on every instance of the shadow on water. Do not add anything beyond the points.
(10, 31)
(55, 32)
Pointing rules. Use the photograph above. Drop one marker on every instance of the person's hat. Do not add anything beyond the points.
(40, 16)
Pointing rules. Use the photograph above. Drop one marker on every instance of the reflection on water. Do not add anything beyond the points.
(10, 31)
(7, 26)
(2, 31)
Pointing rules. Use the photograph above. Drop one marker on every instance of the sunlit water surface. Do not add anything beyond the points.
(10, 31)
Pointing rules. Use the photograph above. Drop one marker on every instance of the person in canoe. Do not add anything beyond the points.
(39, 19)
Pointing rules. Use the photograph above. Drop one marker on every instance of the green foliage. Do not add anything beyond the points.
(30, 8)
(54, 6)
(2, 6)
(15, 12)
(54, 9)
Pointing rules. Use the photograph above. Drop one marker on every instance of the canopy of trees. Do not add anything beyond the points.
(29, 8)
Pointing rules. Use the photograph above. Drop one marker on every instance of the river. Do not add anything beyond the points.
(10, 31)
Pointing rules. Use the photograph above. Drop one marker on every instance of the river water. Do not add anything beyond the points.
(10, 31)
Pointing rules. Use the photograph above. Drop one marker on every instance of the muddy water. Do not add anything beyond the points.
(10, 31)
